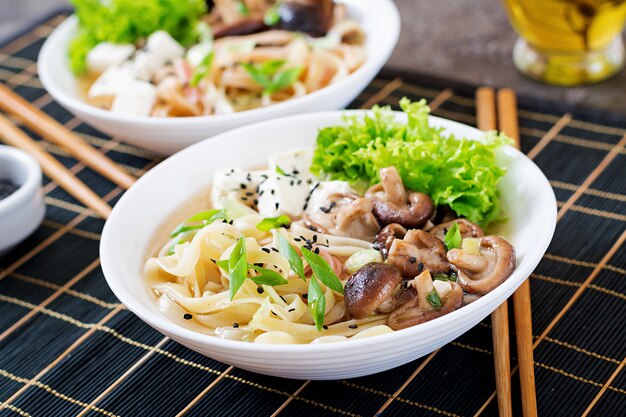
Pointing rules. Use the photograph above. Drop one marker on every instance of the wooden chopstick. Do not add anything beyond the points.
(53, 168)
(507, 110)
(50, 129)
(486, 116)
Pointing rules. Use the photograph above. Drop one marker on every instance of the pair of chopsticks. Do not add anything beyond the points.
(507, 122)
(53, 131)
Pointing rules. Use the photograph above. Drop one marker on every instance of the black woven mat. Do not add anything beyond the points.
(67, 347)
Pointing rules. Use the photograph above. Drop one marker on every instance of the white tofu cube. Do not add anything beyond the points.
(281, 194)
(106, 55)
(324, 190)
(110, 82)
(237, 184)
(295, 162)
(160, 49)
(136, 98)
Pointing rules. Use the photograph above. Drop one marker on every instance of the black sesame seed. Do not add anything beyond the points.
(274, 313)
(412, 259)
(235, 325)
(445, 231)
(295, 172)
(314, 238)
(297, 239)
(213, 260)
(277, 205)
(305, 296)
(283, 298)
(325, 209)
(259, 264)
(264, 176)
(305, 206)
(291, 183)
(260, 290)
(187, 316)
(231, 222)
(249, 193)
(243, 186)
(266, 250)
(244, 198)
(272, 192)
(291, 309)
(249, 177)
(261, 193)
(317, 251)
(275, 250)
(353, 326)
(420, 267)
(256, 202)
(275, 266)
(309, 181)
(325, 327)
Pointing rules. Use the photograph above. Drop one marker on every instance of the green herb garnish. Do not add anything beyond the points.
(242, 9)
(128, 21)
(202, 70)
(457, 172)
(286, 250)
(268, 76)
(271, 17)
(316, 302)
(443, 277)
(280, 171)
(237, 267)
(270, 223)
(434, 299)
(266, 276)
(453, 238)
(199, 220)
(322, 270)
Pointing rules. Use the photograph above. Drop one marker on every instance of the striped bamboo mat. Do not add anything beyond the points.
(68, 348)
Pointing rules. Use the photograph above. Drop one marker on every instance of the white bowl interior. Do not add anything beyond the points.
(526, 195)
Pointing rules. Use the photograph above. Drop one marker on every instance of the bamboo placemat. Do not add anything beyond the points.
(67, 347)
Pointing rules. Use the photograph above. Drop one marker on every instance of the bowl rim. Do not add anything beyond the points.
(372, 63)
(178, 332)
(31, 184)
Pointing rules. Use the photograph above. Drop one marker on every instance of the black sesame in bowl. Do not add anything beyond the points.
(7, 187)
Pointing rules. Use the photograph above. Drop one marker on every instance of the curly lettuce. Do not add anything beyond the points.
(457, 172)
(127, 21)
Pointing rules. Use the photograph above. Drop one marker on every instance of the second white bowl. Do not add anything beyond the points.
(378, 18)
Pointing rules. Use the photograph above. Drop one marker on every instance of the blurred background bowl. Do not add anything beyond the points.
(378, 18)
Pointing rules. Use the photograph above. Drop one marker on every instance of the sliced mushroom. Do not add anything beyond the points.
(309, 16)
(387, 235)
(419, 309)
(418, 251)
(345, 215)
(392, 203)
(467, 229)
(369, 287)
(401, 296)
(479, 274)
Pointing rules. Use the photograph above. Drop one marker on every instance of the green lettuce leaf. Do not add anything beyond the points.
(127, 21)
(458, 172)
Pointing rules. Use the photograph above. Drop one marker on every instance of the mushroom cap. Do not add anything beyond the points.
(387, 235)
(467, 229)
(309, 16)
(239, 28)
(418, 310)
(414, 214)
(369, 287)
(418, 247)
(480, 274)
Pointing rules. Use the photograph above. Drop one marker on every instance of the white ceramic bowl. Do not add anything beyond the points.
(21, 212)
(526, 195)
(378, 18)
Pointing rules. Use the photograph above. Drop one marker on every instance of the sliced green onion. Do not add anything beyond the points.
(271, 17)
(266, 276)
(198, 221)
(471, 245)
(361, 258)
(202, 70)
(270, 223)
(237, 267)
(317, 303)
(295, 262)
(242, 9)
(434, 299)
(322, 270)
(453, 238)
